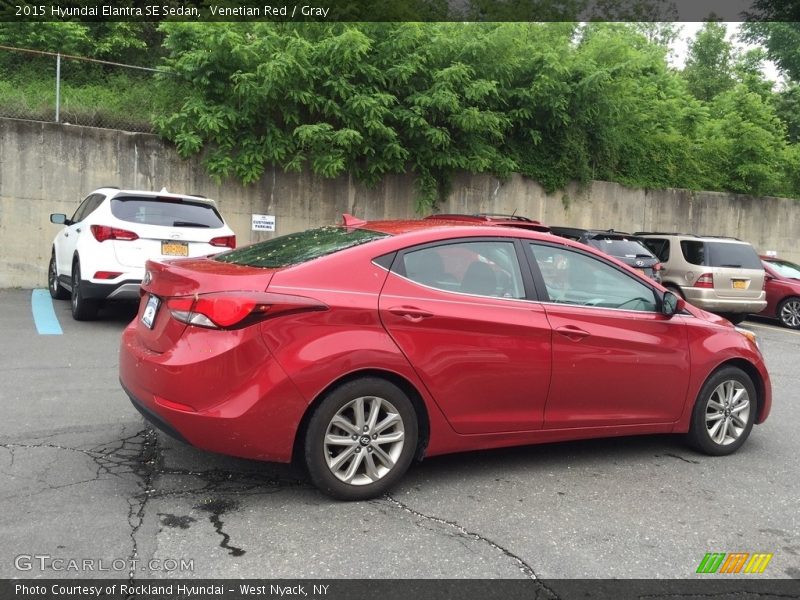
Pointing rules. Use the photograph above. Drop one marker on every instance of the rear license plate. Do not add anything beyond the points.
(150, 310)
(739, 284)
(642, 271)
(174, 248)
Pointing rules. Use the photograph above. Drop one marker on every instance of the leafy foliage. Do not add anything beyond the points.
(554, 101)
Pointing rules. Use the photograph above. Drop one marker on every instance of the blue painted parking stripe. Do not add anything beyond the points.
(43, 313)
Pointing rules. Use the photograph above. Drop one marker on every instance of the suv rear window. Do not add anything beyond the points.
(721, 254)
(296, 248)
(167, 212)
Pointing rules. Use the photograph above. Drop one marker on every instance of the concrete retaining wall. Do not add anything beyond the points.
(47, 167)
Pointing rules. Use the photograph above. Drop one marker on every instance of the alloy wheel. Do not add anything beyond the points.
(790, 313)
(727, 412)
(364, 440)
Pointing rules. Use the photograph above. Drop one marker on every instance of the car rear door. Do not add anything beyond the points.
(459, 312)
(616, 359)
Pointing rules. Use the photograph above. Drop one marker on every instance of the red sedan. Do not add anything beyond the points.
(359, 348)
(783, 291)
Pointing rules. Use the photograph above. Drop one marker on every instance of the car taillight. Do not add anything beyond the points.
(233, 310)
(657, 267)
(106, 275)
(103, 232)
(227, 241)
(706, 280)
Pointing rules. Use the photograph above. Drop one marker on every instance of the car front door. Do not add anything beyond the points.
(617, 360)
(460, 314)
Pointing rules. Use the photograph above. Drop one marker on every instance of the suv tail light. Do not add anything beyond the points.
(706, 280)
(234, 310)
(103, 232)
(657, 267)
(226, 241)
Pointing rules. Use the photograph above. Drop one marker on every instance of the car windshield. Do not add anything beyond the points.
(620, 247)
(166, 212)
(296, 248)
(785, 268)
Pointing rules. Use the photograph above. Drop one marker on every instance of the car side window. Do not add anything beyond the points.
(87, 207)
(77, 217)
(575, 278)
(482, 268)
(659, 247)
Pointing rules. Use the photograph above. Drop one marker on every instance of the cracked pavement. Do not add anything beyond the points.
(85, 478)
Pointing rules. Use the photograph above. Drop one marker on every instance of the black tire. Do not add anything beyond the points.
(734, 318)
(57, 292)
(728, 397)
(357, 449)
(83, 309)
(789, 312)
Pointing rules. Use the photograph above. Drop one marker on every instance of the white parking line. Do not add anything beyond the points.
(775, 328)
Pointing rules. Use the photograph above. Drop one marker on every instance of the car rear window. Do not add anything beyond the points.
(721, 254)
(296, 248)
(620, 247)
(166, 212)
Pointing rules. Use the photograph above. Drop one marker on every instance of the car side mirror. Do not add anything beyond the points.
(671, 304)
(58, 219)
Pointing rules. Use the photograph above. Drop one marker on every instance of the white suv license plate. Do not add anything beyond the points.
(149, 314)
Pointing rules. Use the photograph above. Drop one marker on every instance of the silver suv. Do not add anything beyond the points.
(718, 274)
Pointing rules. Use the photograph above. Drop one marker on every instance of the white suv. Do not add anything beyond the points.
(101, 251)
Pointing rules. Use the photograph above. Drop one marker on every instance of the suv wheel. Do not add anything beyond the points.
(56, 291)
(83, 309)
(789, 313)
(724, 412)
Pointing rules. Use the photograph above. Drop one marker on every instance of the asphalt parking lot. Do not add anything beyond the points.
(85, 479)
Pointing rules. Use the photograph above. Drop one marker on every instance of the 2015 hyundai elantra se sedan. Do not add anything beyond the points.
(358, 348)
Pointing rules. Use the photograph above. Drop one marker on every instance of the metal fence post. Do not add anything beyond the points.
(58, 85)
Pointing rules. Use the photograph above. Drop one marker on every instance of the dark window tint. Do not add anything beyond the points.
(165, 212)
(87, 207)
(722, 254)
(659, 247)
(299, 247)
(694, 252)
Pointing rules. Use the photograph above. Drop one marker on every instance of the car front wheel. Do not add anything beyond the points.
(83, 309)
(789, 313)
(361, 439)
(56, 291)
(724, 412)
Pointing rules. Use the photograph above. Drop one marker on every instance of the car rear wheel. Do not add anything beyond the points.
(361, 439)
(56, 291)
(83, 309)
(724, 412)
(789, 313)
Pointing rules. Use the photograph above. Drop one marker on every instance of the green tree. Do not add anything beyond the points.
(709, 64)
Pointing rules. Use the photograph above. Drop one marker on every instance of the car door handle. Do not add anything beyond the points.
(574, 333)
(410, 313)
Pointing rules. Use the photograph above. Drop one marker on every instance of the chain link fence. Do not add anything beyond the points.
(59, 88)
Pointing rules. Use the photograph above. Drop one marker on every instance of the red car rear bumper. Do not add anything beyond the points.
(227, 403)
